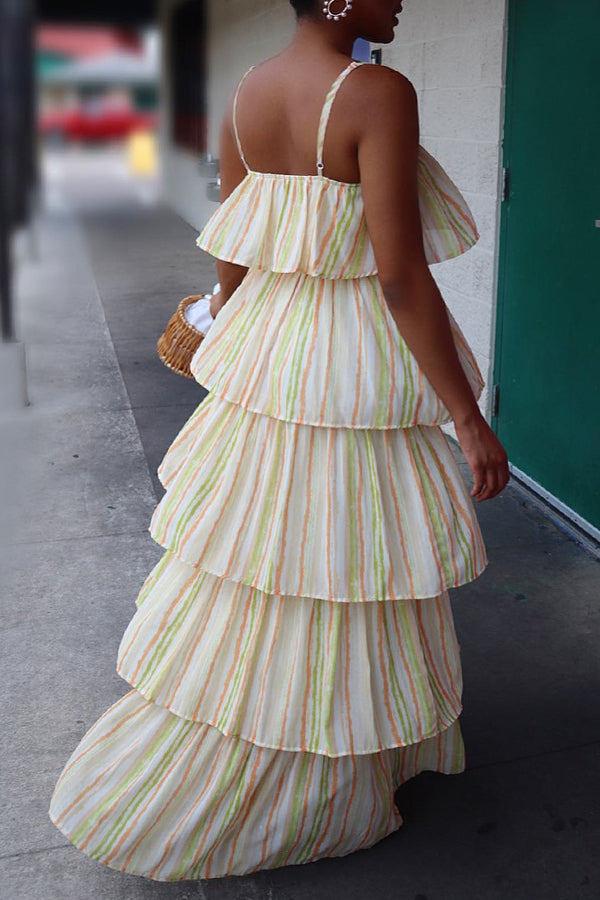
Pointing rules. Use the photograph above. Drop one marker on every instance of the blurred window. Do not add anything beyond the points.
(188, 75)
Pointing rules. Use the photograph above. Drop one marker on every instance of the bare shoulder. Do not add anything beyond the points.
(380, 89)
(381, 81)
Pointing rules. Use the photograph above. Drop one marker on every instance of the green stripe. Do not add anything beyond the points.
(435, 518)
(248, 648)
(154, 751)
(298, 328)
(234, 751)
(377, 525)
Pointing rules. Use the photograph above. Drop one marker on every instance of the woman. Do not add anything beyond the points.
(293, 657)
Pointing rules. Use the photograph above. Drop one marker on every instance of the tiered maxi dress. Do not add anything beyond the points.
(293, 658)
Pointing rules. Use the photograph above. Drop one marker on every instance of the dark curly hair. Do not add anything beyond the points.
(305, 7)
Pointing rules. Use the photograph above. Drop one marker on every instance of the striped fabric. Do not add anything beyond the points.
(315, 225)
(331, 513)
(328, 352)
(335, 678)
(293, 657)
(153, 794)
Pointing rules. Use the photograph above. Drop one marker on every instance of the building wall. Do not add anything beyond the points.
(454, 53)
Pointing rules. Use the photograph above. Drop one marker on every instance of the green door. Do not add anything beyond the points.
(548, 326)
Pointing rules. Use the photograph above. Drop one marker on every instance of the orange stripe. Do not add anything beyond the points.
(400, 531)
(202, 513)
(120, 724)
(286, 706)
(280, 386)
(276, 797)
(155, 821)
(308, 677)
(211, 854)
(331, 229)
(236, 655)
(148, 802)
(359, 361)
(418, 487)
(367, 838)
(315, 328)
(349, 803)
(86, 790)
(456, 498)
(157, 634)
(360, 526)
(440, 509)
(107, 813)
(393, 338)
(332, 792)
(349, 254)
(248, 803)
(257, 360)
(308, 782)
(407, 668)
(249, 217)
(158, 515)
(221, 749)
(328, 553)
(301, 562)
(329, 357)
(273, 519)
(267, 665)
(211, 669)
(286, 515)
(430, 656)
(382, 668)
(347, 665)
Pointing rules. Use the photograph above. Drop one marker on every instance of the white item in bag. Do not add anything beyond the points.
(198, 313)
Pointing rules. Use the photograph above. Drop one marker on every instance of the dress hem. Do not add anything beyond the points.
(351, 426)
(277, 747)
(259, 868)
(426, 594)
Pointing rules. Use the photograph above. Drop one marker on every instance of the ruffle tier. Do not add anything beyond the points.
(315, 225)
(293, 673)
(320, 352)
(153, 794)
(326, 513)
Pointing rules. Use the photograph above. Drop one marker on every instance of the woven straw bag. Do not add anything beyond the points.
(180, 339)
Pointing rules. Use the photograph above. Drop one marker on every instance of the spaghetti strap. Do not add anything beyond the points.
(326, 110)
(331, 94)
(235, 128)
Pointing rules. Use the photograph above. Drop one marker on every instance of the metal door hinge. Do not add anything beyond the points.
(505, 184)
(495, 399)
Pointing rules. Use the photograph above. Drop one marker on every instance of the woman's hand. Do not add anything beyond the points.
(216, 303)
(485, 455)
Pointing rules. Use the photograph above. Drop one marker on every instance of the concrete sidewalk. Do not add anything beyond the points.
(523, 822)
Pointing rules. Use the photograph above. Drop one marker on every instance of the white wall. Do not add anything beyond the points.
(453, 52)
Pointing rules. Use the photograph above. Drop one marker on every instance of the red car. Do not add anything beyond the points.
(94, 122)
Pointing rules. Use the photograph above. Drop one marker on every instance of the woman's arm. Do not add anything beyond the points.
(388, 153)
(232, 172)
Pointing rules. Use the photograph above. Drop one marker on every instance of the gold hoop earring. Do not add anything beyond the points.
(336, 16)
